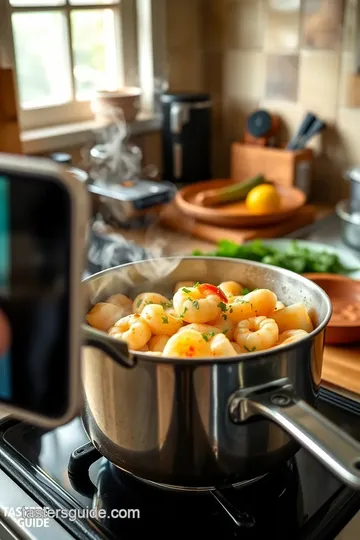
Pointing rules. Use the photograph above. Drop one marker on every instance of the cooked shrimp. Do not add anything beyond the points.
(133, 329)
(236, 347)
(160, 322)
(201, 328)
(199, 304)
(182, 284)
(231, 288)
(122, 301)
(279, 305)
(256, 334)
(260, 302)
(224, 325)
(293, 317)
(187, 344)
(157, 343)
(221, 346)
(290, 336)
(103, 315)
(144, 299)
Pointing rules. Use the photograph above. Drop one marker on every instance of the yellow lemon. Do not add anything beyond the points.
(263, 199)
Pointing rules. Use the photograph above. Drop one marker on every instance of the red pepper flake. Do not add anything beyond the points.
(206, 289)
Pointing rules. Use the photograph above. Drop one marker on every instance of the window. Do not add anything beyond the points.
(64, 51)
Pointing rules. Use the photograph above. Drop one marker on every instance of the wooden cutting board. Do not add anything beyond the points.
(174, 219)
(341, 367)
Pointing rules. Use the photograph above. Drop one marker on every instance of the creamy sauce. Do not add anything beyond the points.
(345, 311)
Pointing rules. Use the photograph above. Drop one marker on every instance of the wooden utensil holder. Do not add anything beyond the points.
(278, 165)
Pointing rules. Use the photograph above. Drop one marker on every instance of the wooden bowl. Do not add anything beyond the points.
(344, 293)
(236, 214)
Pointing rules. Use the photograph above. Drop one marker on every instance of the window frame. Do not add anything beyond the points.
(127, 56)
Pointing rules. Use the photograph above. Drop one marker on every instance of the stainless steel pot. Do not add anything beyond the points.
(353, 177)
(209, 422)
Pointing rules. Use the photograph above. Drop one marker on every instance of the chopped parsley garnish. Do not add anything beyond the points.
(245, 291)
(222, 306)
(224, 317)
(230, 310)
(187, 291)
(249, 350)
(165, 320)
(183, 313)
(207, 335)
(197, 284)
(196, 304)
(139, 302)
(166, 305)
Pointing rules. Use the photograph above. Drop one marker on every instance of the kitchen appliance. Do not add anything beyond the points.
(198, 424)
(298, 500)
(186, 137)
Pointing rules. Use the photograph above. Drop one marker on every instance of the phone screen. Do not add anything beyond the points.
(35, 228)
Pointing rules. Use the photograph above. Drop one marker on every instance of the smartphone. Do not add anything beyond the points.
(44, 212)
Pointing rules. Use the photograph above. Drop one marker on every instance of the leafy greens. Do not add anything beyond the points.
(296, 258)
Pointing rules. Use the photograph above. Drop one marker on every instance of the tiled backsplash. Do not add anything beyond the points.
(290, 57)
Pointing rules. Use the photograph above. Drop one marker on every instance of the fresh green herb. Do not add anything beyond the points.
(225, 331)
(165, 320)
(183, 313)
(224, 317)
(295, 257)
(249, 350)
(222, 306)
(230, 310)
(241, 301)
(196, 304)
(197, 284)
(166, 305)
(245, 291)
(187, 291)
(138, 303)
(207, 335)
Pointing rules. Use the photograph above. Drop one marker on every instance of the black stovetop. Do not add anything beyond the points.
(300, 500)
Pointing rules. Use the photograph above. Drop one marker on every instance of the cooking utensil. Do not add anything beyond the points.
(305, 125)
(261, 128)
(236, 214)
(315, 128)
(344, 292)
(350, 224)
(353, 177)
(205, 422)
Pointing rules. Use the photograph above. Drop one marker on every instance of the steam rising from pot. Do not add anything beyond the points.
(113, 162)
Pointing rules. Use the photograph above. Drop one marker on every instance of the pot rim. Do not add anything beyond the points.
(256, 355)
(341, 211)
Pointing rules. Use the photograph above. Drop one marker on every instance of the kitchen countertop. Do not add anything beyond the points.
(171, 242)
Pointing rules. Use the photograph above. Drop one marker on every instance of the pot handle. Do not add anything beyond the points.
(117, 349)
(334, 448)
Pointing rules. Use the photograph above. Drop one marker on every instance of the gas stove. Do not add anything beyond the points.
(92, 499)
